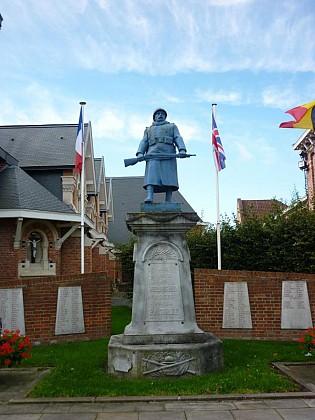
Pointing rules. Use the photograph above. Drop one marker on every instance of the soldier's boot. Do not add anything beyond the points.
(168, 195)
(149, 197)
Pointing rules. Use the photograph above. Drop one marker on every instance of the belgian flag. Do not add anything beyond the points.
(304, 116)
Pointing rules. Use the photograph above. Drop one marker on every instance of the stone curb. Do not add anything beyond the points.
(284, 367)
(217, 397)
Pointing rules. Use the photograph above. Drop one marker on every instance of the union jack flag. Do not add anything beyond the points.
(218, 151)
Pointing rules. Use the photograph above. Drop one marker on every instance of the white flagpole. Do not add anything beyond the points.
(218, 204)
(82, 190)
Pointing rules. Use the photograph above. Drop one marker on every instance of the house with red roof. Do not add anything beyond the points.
(257, 208)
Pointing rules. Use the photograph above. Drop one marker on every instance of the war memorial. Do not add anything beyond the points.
(163, 338)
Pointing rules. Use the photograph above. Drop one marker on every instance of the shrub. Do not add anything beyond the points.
(307, 341)
(14, 348)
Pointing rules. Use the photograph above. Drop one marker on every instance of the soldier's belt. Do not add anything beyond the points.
(165, 140)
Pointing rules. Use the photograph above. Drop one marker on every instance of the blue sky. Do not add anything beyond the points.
(254, 58)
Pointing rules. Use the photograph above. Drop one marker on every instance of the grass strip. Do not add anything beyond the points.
(80, 369)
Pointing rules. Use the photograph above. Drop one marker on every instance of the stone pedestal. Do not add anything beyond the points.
(163, 338)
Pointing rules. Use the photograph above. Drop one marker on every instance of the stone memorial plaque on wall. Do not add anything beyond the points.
(236, 308)
(69, 318)
(12, 310)
(296, 312)
(163, 301)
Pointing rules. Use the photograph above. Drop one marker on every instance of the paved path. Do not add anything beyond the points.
(225, 409)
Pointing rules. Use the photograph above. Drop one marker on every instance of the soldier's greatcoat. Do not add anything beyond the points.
(161, 138)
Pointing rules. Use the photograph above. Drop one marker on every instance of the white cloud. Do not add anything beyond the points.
(168, 36)
(267, 154)
(244, 152)
(10, 114)
(136, 128)
(260, 152)
(35, 103)
(121, 126)
(173, 99)
(108, 123)
(190, 131)
(43, 104)
(275, 97)
(225, 3)
(117, 124)
(222, 97)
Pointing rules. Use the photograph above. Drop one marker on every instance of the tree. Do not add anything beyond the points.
(127, 264)
(279, 241)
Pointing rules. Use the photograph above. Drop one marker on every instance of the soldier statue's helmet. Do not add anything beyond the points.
(159, 109)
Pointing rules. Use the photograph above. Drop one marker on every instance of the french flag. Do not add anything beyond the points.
(79, 145)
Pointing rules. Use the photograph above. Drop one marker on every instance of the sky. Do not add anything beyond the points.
(254, 58)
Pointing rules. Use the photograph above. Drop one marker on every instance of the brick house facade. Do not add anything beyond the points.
(305, 145)
(40, 203)
(40, 229)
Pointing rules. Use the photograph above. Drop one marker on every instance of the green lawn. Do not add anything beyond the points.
(80, 369)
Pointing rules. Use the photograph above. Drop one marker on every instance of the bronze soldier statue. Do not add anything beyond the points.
(161, 139)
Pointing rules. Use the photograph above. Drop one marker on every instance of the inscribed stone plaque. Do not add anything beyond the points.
(12, 310)
(163, 298)
(296, 312)
(69, 319)
(236, 308)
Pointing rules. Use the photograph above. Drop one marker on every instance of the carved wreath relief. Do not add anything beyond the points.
(162, 253)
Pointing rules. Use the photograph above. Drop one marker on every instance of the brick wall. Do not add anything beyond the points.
(40, 306)
(40, 293)
(9, 257)
(265, 292)
(107, 263)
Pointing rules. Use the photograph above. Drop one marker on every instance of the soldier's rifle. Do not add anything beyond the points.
(133, 161)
